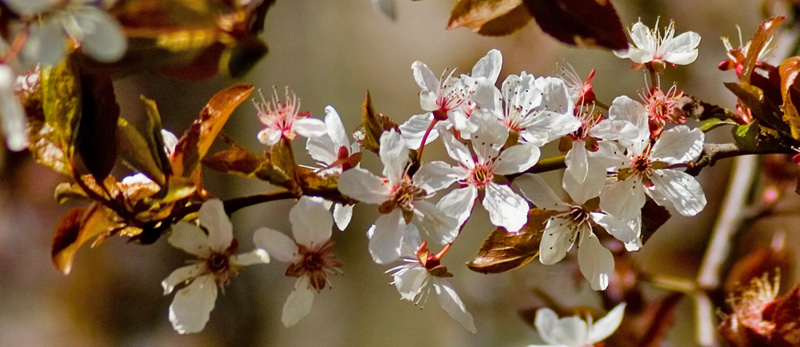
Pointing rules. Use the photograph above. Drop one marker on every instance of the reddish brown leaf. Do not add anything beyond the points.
(489, 17)
(503, 251)
(235, 160)
(76, 228)
(584, 23)
(373, 125)
(786, 317)
(760, 39)
(789, 70)
(97, 133)
(194, 144)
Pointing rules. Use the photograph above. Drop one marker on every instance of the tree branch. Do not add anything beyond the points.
(235, 204)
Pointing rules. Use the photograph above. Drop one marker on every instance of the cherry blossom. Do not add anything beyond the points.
(737, 56)
(574, 331)
(538, 110)
(310, 254)
(217, 263)
(12, 114)
(650, 47)
(100, 35)
(422, 271)
(476, 174)
(285, 120)
(652, 169)
(335, 154)
(574, 223)
(401, 198)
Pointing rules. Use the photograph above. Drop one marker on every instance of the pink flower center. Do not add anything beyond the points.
(317, 263)
(480, 176)
(280, 116)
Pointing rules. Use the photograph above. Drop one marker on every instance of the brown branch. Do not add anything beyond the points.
(235, 204)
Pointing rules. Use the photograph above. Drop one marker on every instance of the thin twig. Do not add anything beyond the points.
(236, 204)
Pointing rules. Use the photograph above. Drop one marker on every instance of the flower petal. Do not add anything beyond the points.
(440, 227)
(458, 203)
(410, 280)
(678, 145)
(103, 38)
(605, 326)
(457, 150)
(220, 230)
(181, 275)
(269, 136)
(258, 256)
(424, 76)
(679, 190)
(335, 127)
(190, 238)
(386, 237)
(620, 230)
(342, 215)
(516, 159)
(488, 97)
(298, 304)
(545, 322)
(363, 186)
(596, 261)
(312, 223)
(277, 244)
(682, 49)
(452, 304)
(623, 199)
(535, 189)
(557, 239)
(191, 307)
(489, 66)
(506, 208)
(394, 155)
(577, 162)
(310, 127)
(413, 130)
(435, 175)
(569, 331)
(323, 149)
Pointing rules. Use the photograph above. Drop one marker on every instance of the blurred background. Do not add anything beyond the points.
(331, 53)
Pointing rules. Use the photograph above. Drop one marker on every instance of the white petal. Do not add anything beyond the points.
(269, 136)
(298, 304)
(342, 215)
(409, 280)
(323, 149)
(310, 127)
(596, 261)
(433, 176)
(679, 190)
(545, 322)
(103, 38)
(535, 189)
(277, 244)
(452, 304)
(181, 275)
(424, 76)
(457, 150)
(577, 162)
(609, 129)
(460, 121)
(387, 237)
(593, 182)
(30, 6)
(678, 145)
(489, 66)
(335, 128)
(555, 95)
(488, 97)
(626, 109)
(605, 326)
(440, 227)
(363, 186)
(569, 331)
(258, 256)
(220, 230)
(413, 130)
(46, 43)
(411, 242)
(312, 223)
(458, 203)
(506, 208)
(682, 49)
(192, 305)
(394, 155)
(190, 238)
(623, 199)
(619, 229)
(490, 136)
(557, 239)
(516, 159)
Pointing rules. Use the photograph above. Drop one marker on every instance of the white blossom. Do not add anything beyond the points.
(649, 46)
(401, 199)
(14, 123)
(574, 331)
(476, 173)
(216, 264)
(310, 254)
(285, 120)
(421, 272)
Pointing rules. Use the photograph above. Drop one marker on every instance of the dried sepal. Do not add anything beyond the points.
(503, 251)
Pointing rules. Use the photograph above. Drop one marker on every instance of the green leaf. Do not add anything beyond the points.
(766, 112)
(747, 135)
(155, 142)
(712, 123)
(61, 104)
(136, 151)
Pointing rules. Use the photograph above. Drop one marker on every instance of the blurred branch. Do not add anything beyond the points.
(235, 204)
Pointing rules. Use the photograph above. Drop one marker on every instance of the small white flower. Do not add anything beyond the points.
(650, 47)
(12, 114)
(573, 224)
(574, 331)
(422, 271)
(647, 169)
(285, 120)
(100, 35)
(335, 154)
(539, 110)
(476, 173)
(310, 254)
(401, 199)
(216, 264)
